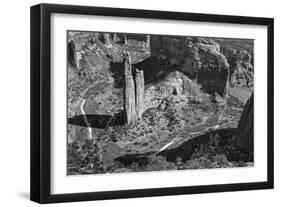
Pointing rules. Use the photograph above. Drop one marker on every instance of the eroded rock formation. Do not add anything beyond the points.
(106, 39)
(147, 40)
(133, 91)
(129, 90)
(115, 37)
(176, 85)
(125, 39)
(245, 135)
(71, 53)
(198, 58)
(241, 66)
(139, 81)
(74, 54)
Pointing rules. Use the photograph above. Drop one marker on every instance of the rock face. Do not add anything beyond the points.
(198, 58)
(71, 53)
(74, 54)
(245, 135)
(139, 82)
(129, 91)
(147, 40)
(106, 38)
(175, 84)
(241, 68)
(133, 91)
(125, 39)
(114, 37)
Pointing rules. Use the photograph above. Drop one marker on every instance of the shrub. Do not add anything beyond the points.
(84, 158)
(154, 163)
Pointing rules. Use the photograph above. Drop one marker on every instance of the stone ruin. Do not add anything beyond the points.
(133, 91)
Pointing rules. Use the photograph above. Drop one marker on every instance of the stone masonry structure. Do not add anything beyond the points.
(133, 91)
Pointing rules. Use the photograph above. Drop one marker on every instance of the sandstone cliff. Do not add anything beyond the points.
(241, 66)
(245, 135)
(198, 58)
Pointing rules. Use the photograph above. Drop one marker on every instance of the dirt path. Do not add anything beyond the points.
(90, 136)
(204, 119)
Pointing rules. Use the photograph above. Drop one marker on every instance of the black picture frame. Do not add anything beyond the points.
(41, 99)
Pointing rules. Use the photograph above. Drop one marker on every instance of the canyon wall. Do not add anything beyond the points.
(198, 58)
(245, 135)
(241, 66)
(174, 85)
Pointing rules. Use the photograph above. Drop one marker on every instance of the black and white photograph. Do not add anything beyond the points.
(147, 102)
